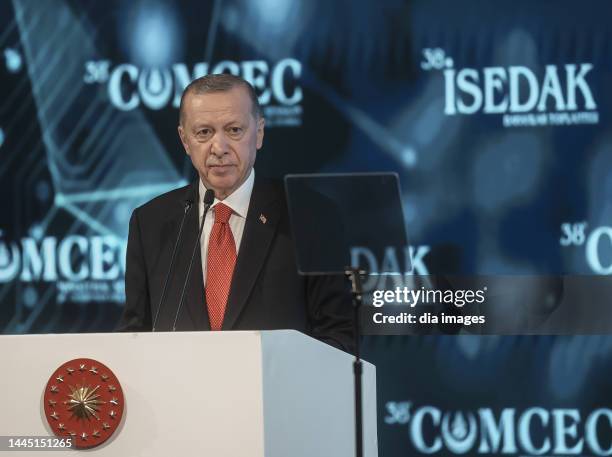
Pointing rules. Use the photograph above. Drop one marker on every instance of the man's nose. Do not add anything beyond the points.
(218, 145)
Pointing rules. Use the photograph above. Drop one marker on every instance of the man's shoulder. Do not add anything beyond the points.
(271, 186)
(269, 193)
(168, 202)
(266, 189)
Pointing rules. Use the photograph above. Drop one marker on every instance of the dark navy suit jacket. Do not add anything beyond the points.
(266, 292)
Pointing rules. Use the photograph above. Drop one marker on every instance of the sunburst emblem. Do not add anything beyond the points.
(83, 399)
(84, 402)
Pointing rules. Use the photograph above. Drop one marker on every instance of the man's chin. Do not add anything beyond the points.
(222, 187)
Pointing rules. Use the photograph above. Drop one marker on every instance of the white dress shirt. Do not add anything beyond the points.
(238, 201)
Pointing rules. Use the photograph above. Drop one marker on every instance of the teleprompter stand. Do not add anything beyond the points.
(354, 275)
(347, 219)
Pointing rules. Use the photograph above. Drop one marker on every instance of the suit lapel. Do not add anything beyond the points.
(256, 240)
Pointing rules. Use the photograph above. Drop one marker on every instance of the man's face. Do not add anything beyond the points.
(221, 136)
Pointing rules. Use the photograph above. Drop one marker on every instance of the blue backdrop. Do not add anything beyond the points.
(495, 115)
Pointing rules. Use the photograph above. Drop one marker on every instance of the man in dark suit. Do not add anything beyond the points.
(244, 275)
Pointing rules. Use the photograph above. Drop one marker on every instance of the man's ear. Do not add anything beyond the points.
(260, 131)
(183, 138)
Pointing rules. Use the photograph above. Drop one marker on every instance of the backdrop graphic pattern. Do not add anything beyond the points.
(495, 116)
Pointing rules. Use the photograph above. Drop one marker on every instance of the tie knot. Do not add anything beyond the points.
(222, 213)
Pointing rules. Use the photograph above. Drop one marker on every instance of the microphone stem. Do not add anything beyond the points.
(188, 206)
(186, 283)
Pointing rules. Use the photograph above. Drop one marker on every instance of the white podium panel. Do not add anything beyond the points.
(274, 393)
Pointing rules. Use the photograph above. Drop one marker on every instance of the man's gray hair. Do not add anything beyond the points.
(220, 83)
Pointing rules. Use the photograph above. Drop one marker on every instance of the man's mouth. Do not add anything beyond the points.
(221, 170)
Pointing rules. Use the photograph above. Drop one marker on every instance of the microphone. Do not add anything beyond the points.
(209, 197)
(187, 204)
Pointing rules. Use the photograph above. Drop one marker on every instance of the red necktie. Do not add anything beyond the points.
(220, 262)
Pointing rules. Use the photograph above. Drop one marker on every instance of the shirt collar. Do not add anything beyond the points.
(238, 200)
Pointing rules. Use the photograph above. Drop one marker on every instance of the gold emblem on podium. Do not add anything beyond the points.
(83, 399)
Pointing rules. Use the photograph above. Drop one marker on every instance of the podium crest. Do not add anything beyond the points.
(84, 400)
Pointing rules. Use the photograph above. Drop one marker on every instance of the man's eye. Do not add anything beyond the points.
(235, 130)
(203, 132)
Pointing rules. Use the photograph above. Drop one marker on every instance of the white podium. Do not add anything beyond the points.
(272, 393)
